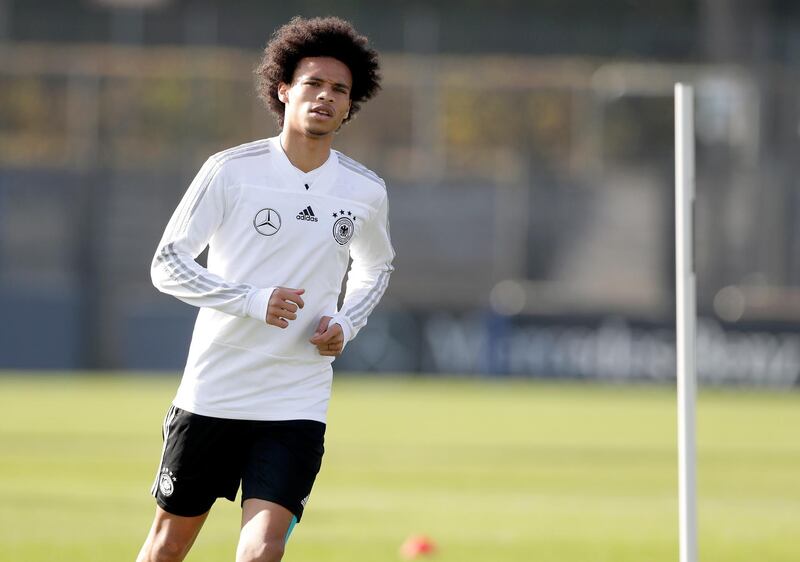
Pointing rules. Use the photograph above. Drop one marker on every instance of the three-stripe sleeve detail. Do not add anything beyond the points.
(360, 169)
(357, 313)
(182, 274)
(216, 162)
(362, 310)
(363, 172)
(175, 265)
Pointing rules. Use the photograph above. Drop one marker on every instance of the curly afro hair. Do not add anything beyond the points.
(317, 37)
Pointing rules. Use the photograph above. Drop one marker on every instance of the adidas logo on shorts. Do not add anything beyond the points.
(307, 214)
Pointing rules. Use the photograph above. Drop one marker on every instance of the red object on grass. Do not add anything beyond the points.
(417, 546)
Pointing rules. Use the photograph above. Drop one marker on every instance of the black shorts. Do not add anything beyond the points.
(206, 458)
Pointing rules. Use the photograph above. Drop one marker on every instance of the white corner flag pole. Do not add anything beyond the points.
(686, 319)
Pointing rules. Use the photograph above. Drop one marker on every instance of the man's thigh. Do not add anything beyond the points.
(202, 460)
(283, 462)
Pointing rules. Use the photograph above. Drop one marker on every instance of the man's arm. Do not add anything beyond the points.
(174, 270)
(372, 255)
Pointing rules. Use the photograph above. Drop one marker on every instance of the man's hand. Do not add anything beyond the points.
(328, 338)
(283, 305)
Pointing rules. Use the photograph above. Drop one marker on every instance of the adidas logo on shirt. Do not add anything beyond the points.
(307, 214)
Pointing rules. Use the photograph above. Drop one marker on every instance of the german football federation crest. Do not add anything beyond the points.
(166, 482)
(344, 227)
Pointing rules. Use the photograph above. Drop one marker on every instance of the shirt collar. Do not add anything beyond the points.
(319, 179)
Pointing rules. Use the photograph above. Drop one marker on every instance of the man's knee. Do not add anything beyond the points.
(170, 537)
(163, 548)
(265, 550)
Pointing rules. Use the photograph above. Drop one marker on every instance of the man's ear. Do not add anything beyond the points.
(283, 92)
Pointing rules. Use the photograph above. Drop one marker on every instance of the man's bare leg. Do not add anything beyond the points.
(170, 537)
(264, 528)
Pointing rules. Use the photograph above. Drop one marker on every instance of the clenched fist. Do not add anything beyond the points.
(283, 305)
(328, 338)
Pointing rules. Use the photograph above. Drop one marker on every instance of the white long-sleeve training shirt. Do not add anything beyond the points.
(268, 224)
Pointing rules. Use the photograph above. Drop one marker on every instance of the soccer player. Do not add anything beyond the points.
(281, 218)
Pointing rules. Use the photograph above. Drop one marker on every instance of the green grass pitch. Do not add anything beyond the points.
(492, 471)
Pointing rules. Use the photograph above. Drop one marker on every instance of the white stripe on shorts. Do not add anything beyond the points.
(168, 419)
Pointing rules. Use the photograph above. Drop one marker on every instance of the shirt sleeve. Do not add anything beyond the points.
(174, 270)
(372, 255)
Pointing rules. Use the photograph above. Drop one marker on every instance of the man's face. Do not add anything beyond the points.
(318, 99)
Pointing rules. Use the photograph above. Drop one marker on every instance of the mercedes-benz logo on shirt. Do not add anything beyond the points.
(267, 222)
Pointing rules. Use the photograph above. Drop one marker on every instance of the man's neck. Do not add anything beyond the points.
(306, 153)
